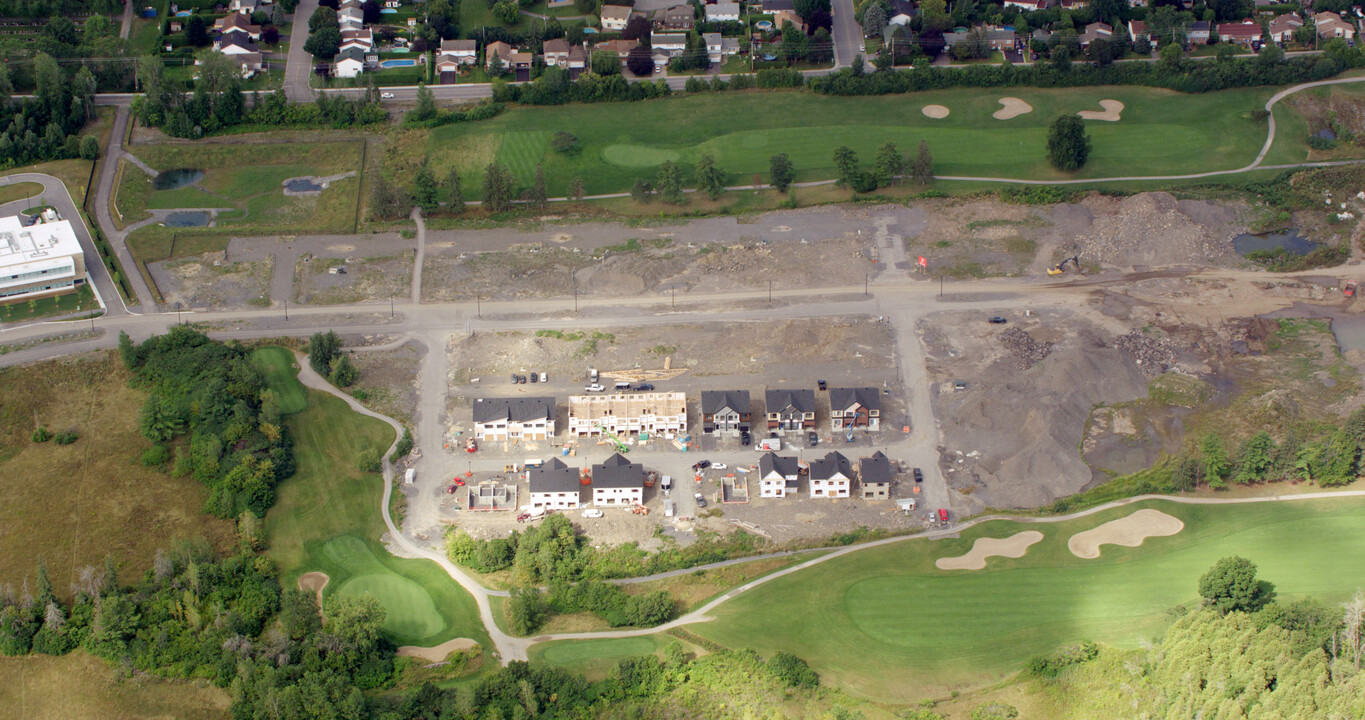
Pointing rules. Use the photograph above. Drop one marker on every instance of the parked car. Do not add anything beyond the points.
(701, 465)
(812, 438)
(959, 385)
(535, 377)
(514, 378)
(942, 515)
(644, 387)
(592, 513)
(594, 388)
(545, 377)
(719, 466)
(745, 438)
(458, 482)
(996, 320)
(386, 96)
(919, 475)
(821, 384)
(701, 501)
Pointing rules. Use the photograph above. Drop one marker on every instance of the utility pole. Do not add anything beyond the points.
(770, 292)
(478, 305)
(390, 305)
(865, 276)
(286, 309)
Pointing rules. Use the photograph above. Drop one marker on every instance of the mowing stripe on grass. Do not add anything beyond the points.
(276, 365)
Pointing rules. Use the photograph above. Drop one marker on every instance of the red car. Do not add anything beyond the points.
(942, 515)
(450, 490)
(458, 482)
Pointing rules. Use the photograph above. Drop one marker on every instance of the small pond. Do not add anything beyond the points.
(1291, 241)
(176, 179)
(188, 219)
(302, 185)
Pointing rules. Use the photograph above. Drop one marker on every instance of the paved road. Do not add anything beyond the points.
(104, 217)
(126, 23)
(56, 195)
(300, 64)
(846, 33)
(421, 255)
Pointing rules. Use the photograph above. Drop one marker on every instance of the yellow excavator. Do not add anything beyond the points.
(1057, 269)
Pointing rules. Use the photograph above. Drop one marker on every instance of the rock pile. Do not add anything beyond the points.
(1154, 355)
(1027, 352)
(1150, 229)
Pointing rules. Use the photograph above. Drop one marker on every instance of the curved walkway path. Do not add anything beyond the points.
(511, 648)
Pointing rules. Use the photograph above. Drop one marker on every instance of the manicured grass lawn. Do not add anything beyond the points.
(887, 624)
(82, 301)
(19, 191)
(83, 687)
(1161, 132)
(277, 365)
(594, 659)
(326, 519)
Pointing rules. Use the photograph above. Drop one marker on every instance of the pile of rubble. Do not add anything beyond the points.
(1027, 352)
(1153, 355)
(1151, 229)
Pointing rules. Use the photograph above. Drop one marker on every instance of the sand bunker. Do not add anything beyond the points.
(438, 653)
(1128, 532)
(1013, 546)
(1013, 107)
(314, 582)
(937, 112)
(1113, 110)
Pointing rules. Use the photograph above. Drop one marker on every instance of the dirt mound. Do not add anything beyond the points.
(1155, 355)
(1128, 532)
(1013, 546)
(1027, 352)
(1154, 229)
(314, 582)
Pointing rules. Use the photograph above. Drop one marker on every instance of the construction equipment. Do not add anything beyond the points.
(621, 447)
(1057, 269)
(471, 446)
(1349, 290)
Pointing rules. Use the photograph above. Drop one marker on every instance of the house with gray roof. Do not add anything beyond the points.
(618, 482)
(531, 418)
(855, 408)
(725, 411)
(831, 476)
(778, 476)
(554, 486)
(874, 477)
(790, 409)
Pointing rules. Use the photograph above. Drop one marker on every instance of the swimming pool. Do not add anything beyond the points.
(388, 11)
(396, 63)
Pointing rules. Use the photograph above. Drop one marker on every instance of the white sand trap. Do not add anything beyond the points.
(1113, 111)
(314, 582)
(1128, 532)
(937, 112)
(1013, 546)
(438, 653)
(1013, 108)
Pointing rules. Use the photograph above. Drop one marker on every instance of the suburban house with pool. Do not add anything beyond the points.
(349, 63)
(362, 39)
(615, 17)
(722, 12)
(656, 413)
(778, 476)
(874, 477)
(454, 55)
(790, 410)
(831, 476)
(39, 260)
(617, 482)
(855, 408)
(554, 486)
(531, 418)
(725, 411)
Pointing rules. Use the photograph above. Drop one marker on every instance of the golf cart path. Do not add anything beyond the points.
(515, 648)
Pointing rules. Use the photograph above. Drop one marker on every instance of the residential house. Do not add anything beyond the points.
(996, 38)
(557, 52)
(676, 18)
(235, 44)
(618, 481)
(349, 63)
(615, 17)
(351, 18)
(714, 47)
(1072, 4)
(392, 4)
(578, 61)
(362, 39)
(246, 7)
(783, 12)
(831, 477)
(670, 44)
(855, 408)
(500, 50)
(1282, 27)
(237, 22)
(39, 260)
(521, 62)
(1026, 5)
(1096, 31)
(1330, 25)
(1138, 28)
(790, 409)
(620, 413)
(622, 48)
(725, 411)
(554, 486)
(1198, 33)
(722, 12)
(461, 52)
(1241, 33)
(778, 476)
(902, 12)
(874, 477)
(532, 418)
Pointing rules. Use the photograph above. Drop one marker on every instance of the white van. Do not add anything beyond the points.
(622, 386)
(666, 483)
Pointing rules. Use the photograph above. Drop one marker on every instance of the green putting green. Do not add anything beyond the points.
(638, 156)
(888, 624)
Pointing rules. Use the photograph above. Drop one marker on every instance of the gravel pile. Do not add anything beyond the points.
(1154, 355)
(1027, 352)
(1149, 229)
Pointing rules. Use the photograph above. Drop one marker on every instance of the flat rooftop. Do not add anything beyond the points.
(35, 248)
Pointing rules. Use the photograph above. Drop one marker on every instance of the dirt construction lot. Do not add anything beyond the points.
(211, 281)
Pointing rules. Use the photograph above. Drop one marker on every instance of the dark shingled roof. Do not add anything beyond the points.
(800, 400)
(618, 472)
(844, 398)
(553, 476)
(514, 409)
(874, 470)
(784, 466)
(712, 401)
(827, 466)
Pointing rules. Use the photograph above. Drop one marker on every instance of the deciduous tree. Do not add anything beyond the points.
(780, 172)
(1068, 145)
(1231, 584)
(670, 183)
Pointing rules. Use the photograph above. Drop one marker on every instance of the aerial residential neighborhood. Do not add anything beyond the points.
(811, 359)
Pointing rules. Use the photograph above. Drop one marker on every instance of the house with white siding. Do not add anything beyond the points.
(618, 482)
(554, 486)
(778, 476)
(831, 477)
(532, 418)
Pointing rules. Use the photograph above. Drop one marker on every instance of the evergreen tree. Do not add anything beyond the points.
(780, 172)
(576, 190)
(889, 165)
(538, 191)
(456, 203)
(424, 189)
(710, 178)
(670, 183)
(498, 188)
(846, 162)
(640, 190)
(922, 169)
(426, 104)
(1215, 459)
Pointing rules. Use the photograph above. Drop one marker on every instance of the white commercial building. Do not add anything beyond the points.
(651, 412)
(39, 260)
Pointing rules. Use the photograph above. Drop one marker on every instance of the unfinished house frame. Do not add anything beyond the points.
(619, 413)
(491, 497)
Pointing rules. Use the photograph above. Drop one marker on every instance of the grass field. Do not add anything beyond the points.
(72, 505)
(277, 365)
(1161, 132)
(885, 623)
(19, 191)
(82, 687)
(594, 659)
(327, 519)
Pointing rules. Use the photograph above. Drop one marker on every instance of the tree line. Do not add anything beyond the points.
(46, 126)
